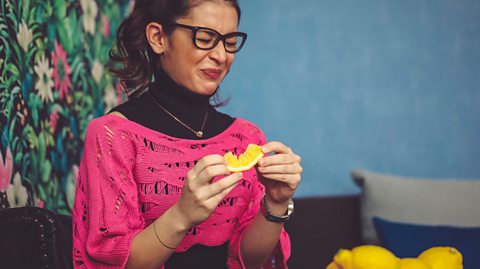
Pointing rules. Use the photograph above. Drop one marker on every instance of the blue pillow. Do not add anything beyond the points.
(409, 240)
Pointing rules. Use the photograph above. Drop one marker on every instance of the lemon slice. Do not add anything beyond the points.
(246, 160)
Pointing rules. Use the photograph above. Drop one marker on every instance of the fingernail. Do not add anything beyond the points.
(261, 162)
(264, 149)
(240, 175)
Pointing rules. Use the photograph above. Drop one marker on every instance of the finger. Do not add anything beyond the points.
(205, 192)
(226, 182)
(281, 169)
(279, 159)
(215, 200)
(209, 172)
(207, 161)
(276, 146)
(291, 180)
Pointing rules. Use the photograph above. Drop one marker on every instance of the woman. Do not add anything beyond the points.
(154, 190)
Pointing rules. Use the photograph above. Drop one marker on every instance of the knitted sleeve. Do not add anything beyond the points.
(281, 254)
(106, 216)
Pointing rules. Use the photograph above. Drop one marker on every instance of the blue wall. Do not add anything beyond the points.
(391, 86)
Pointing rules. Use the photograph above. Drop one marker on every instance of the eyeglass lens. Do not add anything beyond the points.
(207, 39)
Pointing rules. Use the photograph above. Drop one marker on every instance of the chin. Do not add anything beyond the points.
(208, 89)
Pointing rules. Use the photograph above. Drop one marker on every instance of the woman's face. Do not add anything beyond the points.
(200, 71)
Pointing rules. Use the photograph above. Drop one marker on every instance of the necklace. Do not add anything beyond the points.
(197, 133)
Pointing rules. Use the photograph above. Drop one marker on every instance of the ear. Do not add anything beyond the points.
(156, 37)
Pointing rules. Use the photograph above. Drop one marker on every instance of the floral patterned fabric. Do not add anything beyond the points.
(53, 81)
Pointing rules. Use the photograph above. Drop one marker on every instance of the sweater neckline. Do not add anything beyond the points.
(137, 126)
(189, 106)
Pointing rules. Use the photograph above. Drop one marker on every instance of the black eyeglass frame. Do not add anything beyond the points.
(221, 37)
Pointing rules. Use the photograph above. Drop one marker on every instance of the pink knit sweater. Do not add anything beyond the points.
(130, 175)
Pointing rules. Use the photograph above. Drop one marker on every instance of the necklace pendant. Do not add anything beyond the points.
(199, 133)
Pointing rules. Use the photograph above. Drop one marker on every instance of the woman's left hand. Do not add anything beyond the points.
(280, 172)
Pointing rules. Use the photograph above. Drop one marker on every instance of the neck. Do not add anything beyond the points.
(187, 106)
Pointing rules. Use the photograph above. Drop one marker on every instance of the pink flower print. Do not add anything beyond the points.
(61, 71)
(71, 183)
(54, 120)
(106, 26)
(75, 170)
(40, 203)
(6, 166)
(131, 4)
(121, 95)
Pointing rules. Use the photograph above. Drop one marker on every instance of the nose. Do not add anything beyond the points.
(218, 53)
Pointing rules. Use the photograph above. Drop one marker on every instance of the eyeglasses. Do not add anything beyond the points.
(205, 38)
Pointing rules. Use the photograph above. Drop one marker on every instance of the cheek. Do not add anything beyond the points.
(196, 59)
(228, 64)
(230, 59)
(189, 63)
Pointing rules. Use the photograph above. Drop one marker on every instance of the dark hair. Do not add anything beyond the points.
(130, 57)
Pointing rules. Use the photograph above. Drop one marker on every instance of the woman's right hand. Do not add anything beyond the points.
(200, 195)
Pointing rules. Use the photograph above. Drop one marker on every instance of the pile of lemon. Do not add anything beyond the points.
(376, 257)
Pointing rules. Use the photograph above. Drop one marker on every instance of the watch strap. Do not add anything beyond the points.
(274, 218)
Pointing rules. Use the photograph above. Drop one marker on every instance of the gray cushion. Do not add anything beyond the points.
(453, 202)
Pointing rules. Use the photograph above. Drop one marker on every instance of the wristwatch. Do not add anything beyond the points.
(274, 218)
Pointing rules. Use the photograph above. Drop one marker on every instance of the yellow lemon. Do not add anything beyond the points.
(413, 263)
(442, 258)
(366, 257)
(246, 160)
(373, 257)
(333, 265)
(343, 259)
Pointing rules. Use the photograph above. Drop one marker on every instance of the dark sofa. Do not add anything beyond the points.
(320, 227)
(37, 238)
(32, 237)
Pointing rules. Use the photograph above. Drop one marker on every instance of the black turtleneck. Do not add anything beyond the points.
(187, 106)
(190, 108)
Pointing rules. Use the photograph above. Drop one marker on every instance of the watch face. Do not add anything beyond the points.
(290, 207)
